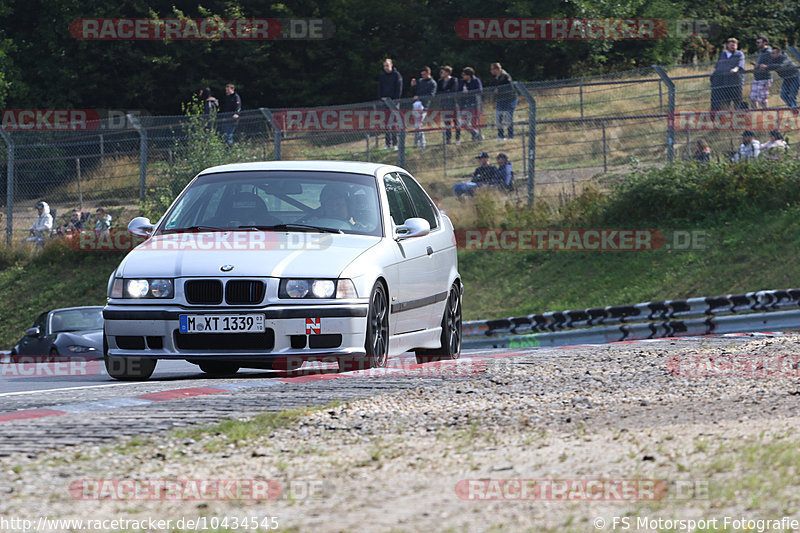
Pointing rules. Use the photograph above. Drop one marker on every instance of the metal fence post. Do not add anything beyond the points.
(580, 92)
(670, 111)
(9, 184)
(521, 89)
(605, 157)
(276, 149)
(401, 135)
(142, 155)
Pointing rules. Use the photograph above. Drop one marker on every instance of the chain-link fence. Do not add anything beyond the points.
(559, 136)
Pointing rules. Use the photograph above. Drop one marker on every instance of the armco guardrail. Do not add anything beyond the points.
(734, 313)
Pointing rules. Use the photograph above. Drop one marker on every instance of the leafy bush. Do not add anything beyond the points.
(693, 192)
(202, 147)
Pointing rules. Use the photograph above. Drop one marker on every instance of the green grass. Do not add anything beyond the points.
(56, 277)
(752, 254)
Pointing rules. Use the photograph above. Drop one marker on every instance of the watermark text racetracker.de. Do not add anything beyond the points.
(66, 119)
(734, 366)
(581, 489)
(349, 119)
(598, 240)
(583, 29)
(738, 121)
(123, 240)
(198, 523)
(199, 29)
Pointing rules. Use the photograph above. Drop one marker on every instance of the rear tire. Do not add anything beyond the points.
(451, 331)
(215, 369)
(127, 368)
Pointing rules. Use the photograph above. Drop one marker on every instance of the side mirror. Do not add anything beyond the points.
(32, 332)
(412, 227)
(141, 226)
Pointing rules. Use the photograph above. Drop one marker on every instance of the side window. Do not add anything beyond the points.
(425, 208)
(400, 206)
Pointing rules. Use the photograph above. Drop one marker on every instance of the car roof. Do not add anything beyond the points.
(355, 167)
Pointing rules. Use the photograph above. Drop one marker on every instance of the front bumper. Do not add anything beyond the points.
(153, 332)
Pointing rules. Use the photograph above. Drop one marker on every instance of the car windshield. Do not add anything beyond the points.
(297, 201)
(76, 320)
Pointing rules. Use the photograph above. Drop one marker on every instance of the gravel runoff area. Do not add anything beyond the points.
(615, 436)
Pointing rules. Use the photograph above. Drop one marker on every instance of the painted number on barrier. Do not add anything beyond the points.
(313, 326)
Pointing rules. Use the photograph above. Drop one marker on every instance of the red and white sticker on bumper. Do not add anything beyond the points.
(313, 326)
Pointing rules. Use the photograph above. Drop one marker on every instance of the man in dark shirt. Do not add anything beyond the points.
(762, 78)
(780, 63)
(506, 101)
(231, 107)
(424, 89)
(447, 88)
(484, 175)
(471, 89)
(727, 79)
(390, 85)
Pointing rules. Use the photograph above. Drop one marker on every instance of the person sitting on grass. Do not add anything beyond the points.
(102, 220)
(776, 147)
(504, 172)
(749, 149)
(485, 174)
(42, 226)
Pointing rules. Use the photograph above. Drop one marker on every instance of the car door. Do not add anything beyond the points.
(408, 305)
(439, 247)
(34, 345)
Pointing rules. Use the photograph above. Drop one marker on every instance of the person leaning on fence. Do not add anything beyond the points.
(505, 101)
(231, 107)
(780, 63)
(484, 175)
(471, 88)
(390, 85)
(447, 88)
(727, 79)
(776, 147)
(42, 226)
(424, 90)
(749, 149)
(209, 107)
(702, 152)
(762, 78)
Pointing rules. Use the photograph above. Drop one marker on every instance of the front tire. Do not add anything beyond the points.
(376, 345)
(127, 368)
(451, 331)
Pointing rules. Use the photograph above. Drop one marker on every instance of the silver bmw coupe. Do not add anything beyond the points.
(269, 264)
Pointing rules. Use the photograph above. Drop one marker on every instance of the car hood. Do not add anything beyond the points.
(92, 338)
(256, 254)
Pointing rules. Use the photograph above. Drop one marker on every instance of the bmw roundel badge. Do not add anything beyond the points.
(226, 268)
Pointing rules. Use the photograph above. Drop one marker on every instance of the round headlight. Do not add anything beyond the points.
(160, 288)
(137, 288)
(297, 288)
(322, 288)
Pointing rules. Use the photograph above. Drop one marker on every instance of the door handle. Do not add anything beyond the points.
(429, 250)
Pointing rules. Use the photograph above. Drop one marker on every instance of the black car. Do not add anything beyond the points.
(72, 331)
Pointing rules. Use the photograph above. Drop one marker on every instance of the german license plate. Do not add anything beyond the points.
(221, 323)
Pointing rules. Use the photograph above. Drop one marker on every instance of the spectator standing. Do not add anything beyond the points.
(702, 152)
(749, 149)
(209, 103)
(780, 63)
(504, 172)
(762, 78)
(471, 87)
(446, 86)
(776, 147)
(506, 101)
(424, 90)
(390, 85)
(484, 175)
(231, 107)
(727, 79)
(42, 226)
